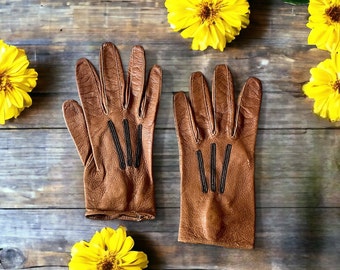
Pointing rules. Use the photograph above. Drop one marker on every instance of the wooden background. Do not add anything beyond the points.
(297, 153)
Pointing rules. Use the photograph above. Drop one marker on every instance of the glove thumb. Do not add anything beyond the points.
(75, 122)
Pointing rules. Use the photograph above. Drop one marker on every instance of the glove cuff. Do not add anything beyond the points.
(123, 215)
(218, 220)
(242, 238)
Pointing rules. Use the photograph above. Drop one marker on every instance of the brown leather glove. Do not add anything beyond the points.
(216, 144)
(113, 133)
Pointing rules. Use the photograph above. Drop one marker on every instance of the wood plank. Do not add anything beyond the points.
(41, 169)
(57, 19)
(62, 33)
(301, 238)
(292, 113)
(297, 168)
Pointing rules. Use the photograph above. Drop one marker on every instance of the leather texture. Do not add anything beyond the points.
(113, 133)
(216, 140)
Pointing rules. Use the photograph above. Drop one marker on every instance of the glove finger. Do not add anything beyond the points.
(89, 90)
(75, 122)
(112, 77)
(152, 94)
(135, 80)
(201, 103)
(249, 103)
(223, 99)
(184, 121)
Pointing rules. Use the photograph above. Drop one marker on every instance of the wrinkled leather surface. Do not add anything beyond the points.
(110, 191)
(218, 218)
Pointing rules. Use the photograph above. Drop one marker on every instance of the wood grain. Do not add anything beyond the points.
(293, 169)
(302, 238)
(297, 153)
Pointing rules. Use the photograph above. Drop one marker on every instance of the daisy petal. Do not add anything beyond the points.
(209, 23)
(15, 82)
(107, 249)
(324, 88)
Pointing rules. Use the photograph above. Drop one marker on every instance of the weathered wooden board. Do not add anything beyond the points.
(279, 111)
(286, 238)
(41, 169)
(297, 153)
(66, 31)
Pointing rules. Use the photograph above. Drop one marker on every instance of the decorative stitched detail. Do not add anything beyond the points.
(117, 144)
(202, 173)
(225, 167)
(213, 166)
(139, 145)
(128, 142)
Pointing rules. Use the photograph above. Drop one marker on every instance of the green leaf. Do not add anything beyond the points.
(296, 2)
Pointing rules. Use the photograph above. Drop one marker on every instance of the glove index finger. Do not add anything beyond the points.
(112, 77)
(89, 89)
(184, 120)
(249, 103)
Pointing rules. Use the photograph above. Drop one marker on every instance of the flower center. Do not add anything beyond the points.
(208, 11)
(336, 86)
(5, 83)
(333, 13)
(109, 262)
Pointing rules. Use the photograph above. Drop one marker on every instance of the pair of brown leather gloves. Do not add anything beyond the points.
(113, 132)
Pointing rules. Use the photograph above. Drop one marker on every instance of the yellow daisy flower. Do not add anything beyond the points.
(16, 80)
(209, 22)
(324, 22)
(108, 249)
(324, 87)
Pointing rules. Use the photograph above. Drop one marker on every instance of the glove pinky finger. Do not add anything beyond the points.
(249, 104)
(75, 122)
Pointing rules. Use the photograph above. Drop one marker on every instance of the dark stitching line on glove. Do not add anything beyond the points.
(128, 142)
(225, 167)
(117, 144)
(139, 145)
(202, 173)
(213, 166)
